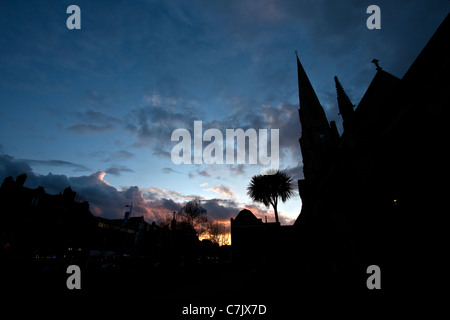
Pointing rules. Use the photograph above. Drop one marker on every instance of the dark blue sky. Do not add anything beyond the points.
(95, 108)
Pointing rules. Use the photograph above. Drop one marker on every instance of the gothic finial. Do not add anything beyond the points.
(375, 62)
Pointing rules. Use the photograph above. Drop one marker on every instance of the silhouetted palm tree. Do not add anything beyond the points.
(270, 187)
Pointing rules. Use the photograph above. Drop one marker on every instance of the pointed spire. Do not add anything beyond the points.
(344, 103)
(317, 141)
(311, 112)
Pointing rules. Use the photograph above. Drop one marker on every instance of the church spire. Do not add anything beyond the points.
(311, 112)
(317, 141)
(344, 103)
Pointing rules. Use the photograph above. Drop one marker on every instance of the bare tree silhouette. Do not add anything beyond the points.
(194, 213)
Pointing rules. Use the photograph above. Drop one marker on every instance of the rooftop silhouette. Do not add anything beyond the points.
(364, 197)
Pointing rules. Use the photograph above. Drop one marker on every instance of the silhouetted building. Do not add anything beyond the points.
(34, 223)
(370, 194)
(258, 245)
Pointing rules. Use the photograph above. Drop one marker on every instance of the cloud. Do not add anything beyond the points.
(159, 151)
(237, 170)
(104, 199)
(107, 201)
(223, 210)
(223, 191)
(103, 99)
(120, 155)
(219, 171)
(93, 122)
(57, 163)
(117, 170)
(330, 36)
(163, 207)
(11, 167)
(295, 172)
(205, 172)
(283, 116)
(155, 193)
(220, 209)
(153, 124)
(85, 128)
(168, 170)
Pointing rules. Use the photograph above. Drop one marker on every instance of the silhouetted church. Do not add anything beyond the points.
(374, 195)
